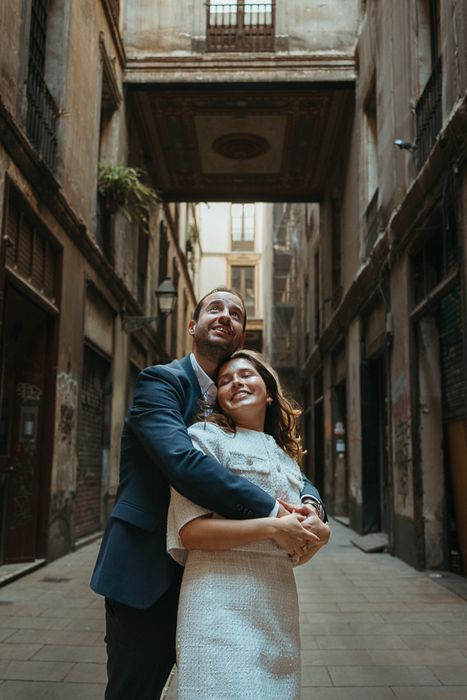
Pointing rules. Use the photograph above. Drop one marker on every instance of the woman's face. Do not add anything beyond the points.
(242, 393)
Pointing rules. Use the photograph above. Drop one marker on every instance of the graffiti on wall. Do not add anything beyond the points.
(402, 434)
(67, 390)
(66, 430)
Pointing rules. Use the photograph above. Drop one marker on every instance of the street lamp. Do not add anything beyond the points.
(166, 296)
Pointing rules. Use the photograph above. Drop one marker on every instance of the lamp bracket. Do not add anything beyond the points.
(134, 323)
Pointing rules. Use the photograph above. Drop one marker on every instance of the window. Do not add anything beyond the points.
(243, 226)
(317, 298)
(428, 27)
(110, 101)
(142, 266)
(336, 252)
(243, 280)
(163, 271)
(174, 315)
(371, 162)
(438, 255)
(239, 25)
(428, 109)
(42, 111)
(371, 139)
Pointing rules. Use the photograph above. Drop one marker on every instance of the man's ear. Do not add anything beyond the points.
(191, 327)
(242, 341)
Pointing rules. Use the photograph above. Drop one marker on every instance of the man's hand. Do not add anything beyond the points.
(313, 523)
(291, 535)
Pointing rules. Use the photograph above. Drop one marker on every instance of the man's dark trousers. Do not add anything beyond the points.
(141, 643)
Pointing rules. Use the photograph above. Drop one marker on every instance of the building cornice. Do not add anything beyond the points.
(115, 31)
(232, 67)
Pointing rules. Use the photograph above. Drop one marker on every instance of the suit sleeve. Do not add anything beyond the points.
(309, 489)
(156, 421)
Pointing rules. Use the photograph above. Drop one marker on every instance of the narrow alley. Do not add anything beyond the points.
(372, 628)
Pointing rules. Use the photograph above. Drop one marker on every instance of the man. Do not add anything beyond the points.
(133, 571)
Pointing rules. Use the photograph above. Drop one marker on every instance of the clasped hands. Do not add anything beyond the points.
(301, 532)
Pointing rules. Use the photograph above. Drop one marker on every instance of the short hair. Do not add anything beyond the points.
(199, 305)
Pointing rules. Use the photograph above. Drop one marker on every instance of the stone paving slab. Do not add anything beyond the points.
(12, 690)
(372, 628)
(442, 693)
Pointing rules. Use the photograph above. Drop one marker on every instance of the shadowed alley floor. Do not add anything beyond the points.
(372, 628)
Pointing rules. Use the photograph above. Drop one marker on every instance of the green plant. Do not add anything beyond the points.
(121, 189)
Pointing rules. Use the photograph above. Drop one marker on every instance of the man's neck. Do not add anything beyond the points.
(209, 364)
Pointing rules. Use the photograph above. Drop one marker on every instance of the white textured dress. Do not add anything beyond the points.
(238, 627)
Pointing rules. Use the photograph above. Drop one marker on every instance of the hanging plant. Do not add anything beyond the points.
(121, 189)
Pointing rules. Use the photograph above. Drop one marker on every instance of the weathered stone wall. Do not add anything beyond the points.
(302, 27)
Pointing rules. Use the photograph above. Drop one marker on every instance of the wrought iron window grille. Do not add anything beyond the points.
(240, 26)
(42, 111)
(428, 113)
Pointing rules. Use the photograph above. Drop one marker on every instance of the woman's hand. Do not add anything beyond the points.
(291, 535)
(313, 523)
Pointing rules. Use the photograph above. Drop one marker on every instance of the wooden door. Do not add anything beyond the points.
(21, 426)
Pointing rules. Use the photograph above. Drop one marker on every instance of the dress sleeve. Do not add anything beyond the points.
(205, 438)
(181, 511)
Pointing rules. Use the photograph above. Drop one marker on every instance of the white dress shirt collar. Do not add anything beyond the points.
(206, 384)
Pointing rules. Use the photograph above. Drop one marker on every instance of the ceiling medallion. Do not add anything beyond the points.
(241, 146)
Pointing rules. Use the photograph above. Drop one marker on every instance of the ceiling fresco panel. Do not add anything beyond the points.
(242, 142)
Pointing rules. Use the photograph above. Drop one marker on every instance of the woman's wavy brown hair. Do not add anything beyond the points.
(281, 414)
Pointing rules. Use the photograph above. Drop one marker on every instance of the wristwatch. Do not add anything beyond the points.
(321, 513)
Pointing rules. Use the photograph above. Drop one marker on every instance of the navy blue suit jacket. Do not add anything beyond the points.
(133, 566)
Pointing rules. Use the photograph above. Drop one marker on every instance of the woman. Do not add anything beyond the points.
(238, 631)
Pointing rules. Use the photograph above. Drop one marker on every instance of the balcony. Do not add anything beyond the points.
(240, 26)
(429, 115)
(42, 115)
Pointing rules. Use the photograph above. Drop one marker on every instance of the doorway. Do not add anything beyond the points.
(376, 493)
(24, 414)
(93, 442)
(341, 475)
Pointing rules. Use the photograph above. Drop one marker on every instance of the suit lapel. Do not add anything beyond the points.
(193, 405)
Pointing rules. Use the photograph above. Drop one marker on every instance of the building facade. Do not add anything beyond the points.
(353, 114)
(232, 237)
(72, 270)
(382, 274)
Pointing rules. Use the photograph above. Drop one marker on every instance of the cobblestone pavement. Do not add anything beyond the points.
(372, 629)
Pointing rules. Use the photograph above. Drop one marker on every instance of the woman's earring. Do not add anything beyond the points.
(269, 400)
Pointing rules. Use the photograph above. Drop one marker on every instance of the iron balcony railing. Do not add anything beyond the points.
(42, 115)
(240, 26)
(429, 115)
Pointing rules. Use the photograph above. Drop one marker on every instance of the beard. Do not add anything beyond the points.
(216, 349)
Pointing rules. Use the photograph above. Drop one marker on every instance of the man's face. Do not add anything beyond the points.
(219, 328)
